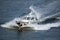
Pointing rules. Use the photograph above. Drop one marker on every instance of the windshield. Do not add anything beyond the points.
(30, 18)
(27, 18)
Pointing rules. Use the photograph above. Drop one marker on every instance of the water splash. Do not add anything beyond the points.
(11, 23)
(45, 26)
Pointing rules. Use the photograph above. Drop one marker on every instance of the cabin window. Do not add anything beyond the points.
(24, 18)
(32, 18)
(28, 18)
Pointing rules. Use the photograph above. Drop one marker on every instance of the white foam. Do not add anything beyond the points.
(11, 23)
(44, 26)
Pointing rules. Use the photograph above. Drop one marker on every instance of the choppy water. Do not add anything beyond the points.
(53, 34)
(10, 9)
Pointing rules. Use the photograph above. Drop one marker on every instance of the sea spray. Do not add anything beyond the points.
(45, 26)
(11, 23)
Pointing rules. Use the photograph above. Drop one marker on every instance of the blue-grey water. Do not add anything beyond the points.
(10, 9)
(53, 34)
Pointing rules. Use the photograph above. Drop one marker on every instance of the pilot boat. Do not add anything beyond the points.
(24, 23)
(37, 14)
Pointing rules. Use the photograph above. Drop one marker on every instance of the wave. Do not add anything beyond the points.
(48, 11)
(45, 26)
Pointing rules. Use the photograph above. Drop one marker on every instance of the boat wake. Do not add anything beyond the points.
(43, 13)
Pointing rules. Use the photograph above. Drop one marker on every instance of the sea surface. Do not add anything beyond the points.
(10, 9)
(52, 34)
